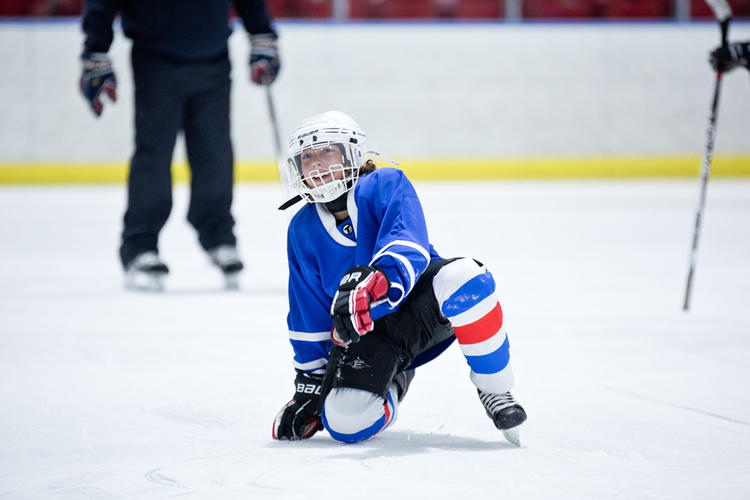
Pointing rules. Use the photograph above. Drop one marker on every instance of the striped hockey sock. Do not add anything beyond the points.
(466, 294)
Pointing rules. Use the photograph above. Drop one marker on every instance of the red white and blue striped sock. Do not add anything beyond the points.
(466, 294)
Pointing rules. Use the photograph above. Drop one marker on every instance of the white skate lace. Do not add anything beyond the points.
(494, 403)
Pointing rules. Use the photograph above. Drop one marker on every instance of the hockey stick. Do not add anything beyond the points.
(723, 14)
(285, 187)
(275, 133)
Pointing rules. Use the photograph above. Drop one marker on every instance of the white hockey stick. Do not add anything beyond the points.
(285, 185)
(723, 14)
(275, 133)
(722, 11)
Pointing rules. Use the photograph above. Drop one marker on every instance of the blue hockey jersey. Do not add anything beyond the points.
(385, 228)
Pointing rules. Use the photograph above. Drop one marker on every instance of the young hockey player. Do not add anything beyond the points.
(370, 299)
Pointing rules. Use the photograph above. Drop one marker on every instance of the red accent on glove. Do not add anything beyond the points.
(111, 90)
(262, 73)
(373, 288)
(336, 339)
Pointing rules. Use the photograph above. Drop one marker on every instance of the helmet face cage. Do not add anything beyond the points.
(328, 183)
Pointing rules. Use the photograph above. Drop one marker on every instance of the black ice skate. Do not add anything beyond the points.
(226, 258)
(146, 273)
(505, 413)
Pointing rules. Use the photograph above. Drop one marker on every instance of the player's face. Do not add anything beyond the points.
(321, 165)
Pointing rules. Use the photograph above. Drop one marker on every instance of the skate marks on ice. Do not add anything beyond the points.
(677, 406)
(271, 469)
(399, 443)
(157, 476)
(238, 473)
(191, 417)
(223, 476)
(81, 485)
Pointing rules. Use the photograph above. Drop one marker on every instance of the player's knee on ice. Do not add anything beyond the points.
(354, 415)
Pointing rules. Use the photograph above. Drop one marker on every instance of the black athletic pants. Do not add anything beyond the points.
(171, 96)
(403, 340)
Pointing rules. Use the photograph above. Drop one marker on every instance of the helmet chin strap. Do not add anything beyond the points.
(292, 201)
(337, 205)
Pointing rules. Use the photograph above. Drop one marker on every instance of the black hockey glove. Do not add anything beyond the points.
(97, 77)
(728, 57)
(360, 288)
(300, 417)
(264, 58)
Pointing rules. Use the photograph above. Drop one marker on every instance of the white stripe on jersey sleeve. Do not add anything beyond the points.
(316, 366)
(404, 243)
(309, 336)
(403, 260)
(394, 303)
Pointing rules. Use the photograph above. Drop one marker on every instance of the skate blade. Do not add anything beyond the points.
(513, 436)
(144, 282)
(232, 281)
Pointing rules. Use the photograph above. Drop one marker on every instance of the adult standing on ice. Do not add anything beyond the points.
(370, 299)
(181, 73)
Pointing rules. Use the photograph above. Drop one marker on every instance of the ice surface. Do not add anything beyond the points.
(106, 393)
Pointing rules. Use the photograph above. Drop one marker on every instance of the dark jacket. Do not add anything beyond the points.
(190, 30)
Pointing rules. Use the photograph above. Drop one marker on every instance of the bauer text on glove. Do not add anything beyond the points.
(300, 417)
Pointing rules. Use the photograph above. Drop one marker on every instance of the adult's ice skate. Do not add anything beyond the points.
(146, 273)
(226, 258)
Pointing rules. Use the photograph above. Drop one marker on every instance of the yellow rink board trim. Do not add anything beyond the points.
(418, 169)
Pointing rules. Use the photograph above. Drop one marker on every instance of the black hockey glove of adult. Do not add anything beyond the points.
(728, 57)
(360, 288)
(97, 77)
(300, 417)
(264, 58)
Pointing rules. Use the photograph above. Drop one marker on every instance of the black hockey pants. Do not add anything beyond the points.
(415, 334)
(171, 96)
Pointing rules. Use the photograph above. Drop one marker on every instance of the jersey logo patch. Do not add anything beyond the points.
(347, 229)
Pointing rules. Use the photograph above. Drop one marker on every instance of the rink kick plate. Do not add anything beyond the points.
(415, 168)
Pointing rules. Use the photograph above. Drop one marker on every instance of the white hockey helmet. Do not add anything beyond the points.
(330, 128)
